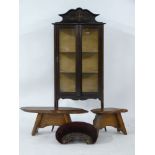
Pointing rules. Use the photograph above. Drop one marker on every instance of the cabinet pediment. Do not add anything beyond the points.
(79, 15)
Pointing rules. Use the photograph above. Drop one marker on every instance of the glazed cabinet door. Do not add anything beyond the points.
(90, 59)
(67, 52)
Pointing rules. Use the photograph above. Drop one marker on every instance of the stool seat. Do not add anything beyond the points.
(74, 131)
(52, 110)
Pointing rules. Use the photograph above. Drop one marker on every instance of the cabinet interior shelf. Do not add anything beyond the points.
(82, 52)
(90, 52)
(93, 72)
(68, 52)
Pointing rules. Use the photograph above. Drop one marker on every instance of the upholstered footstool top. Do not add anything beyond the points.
(77, 131)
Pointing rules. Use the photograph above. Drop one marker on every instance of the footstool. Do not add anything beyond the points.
(109, 117)
(77, 131)
(50, 116)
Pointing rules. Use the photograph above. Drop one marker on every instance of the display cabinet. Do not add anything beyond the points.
(78, 56)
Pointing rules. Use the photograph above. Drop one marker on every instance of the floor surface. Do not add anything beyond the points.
(44, 143)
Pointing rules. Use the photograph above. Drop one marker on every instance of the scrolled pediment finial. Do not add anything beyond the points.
(79, 15)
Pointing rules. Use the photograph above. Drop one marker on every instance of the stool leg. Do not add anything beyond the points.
(67, 118)
(121, 126)
(52, 128)
(36, 125)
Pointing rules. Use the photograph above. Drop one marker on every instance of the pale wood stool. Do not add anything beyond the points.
(47, 116)
(109, 117)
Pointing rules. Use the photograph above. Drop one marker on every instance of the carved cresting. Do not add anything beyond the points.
(78, 15)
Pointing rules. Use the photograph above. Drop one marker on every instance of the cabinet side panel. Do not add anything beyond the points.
(101, 65)
(56, 75)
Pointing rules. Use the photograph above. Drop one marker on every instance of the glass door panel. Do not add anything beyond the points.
(67, 59)
(89, 60)
(67, 41)
(67, 82)
(89, 82)
(90, 40)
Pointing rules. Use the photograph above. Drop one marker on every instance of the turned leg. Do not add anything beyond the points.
(36, 125)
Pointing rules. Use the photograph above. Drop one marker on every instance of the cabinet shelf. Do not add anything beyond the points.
(93, 72)
(64, 72)
(67, 52)
(90, 52)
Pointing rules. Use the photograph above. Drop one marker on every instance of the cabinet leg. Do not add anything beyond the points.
(36, 125)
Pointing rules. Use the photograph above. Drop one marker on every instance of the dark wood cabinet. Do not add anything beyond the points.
(78, 56)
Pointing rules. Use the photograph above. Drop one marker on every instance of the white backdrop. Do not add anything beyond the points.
(37, 50)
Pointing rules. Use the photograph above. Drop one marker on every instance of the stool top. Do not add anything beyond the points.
(108, 110)
(52, 110)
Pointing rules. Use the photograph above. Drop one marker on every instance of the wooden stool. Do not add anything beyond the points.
(109, 117)
(48, 116)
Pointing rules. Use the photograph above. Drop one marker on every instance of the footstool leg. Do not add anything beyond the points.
(52, 128)
(67, 118)
(36, 125)
(121, 126)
